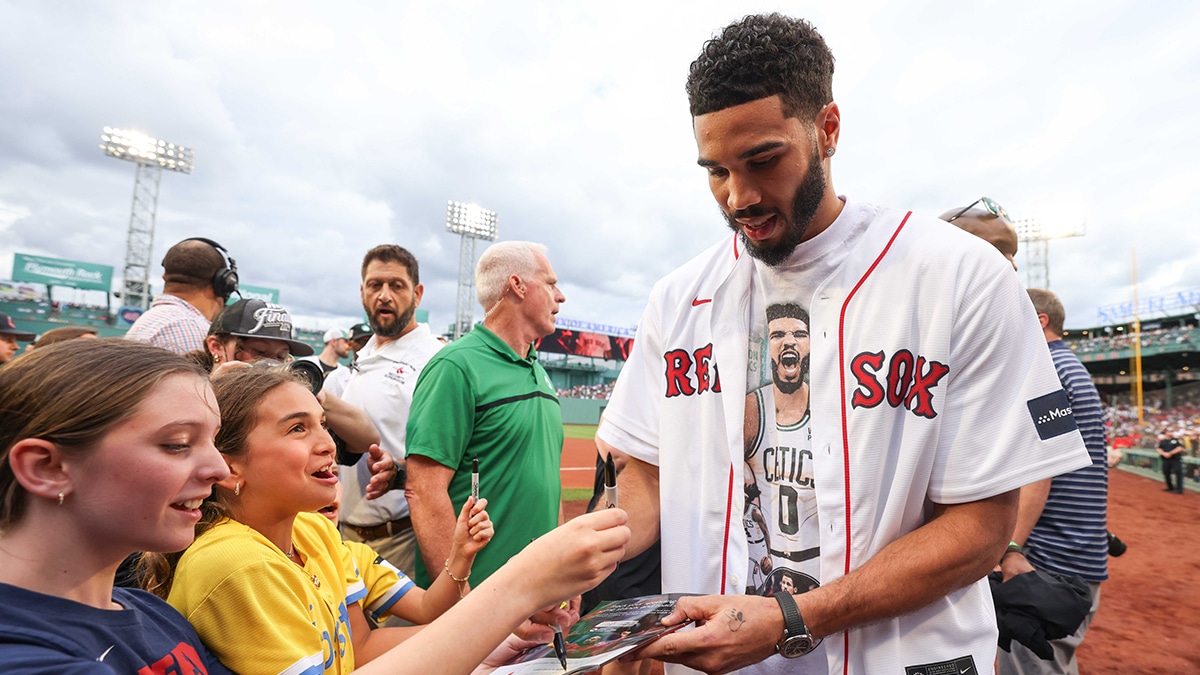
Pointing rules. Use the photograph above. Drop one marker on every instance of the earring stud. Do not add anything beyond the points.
(829, 152)
(237, 488)
(61, 497)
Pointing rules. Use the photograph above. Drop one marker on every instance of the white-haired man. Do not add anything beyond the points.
(486, 397)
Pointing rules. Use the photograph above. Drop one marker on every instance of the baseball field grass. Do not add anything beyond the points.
(585, 431)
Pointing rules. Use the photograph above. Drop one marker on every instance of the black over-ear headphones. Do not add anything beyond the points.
(225, 280)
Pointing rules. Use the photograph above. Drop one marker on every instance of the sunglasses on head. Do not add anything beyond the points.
(988, 203)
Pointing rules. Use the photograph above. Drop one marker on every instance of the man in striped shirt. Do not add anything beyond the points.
(198, 278)
(1062, 521)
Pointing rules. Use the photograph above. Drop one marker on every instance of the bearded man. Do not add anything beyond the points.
(382, 383)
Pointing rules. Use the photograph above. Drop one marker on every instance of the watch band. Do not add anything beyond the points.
(793, 623)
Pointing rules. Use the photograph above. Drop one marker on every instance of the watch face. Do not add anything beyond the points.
(797, 646)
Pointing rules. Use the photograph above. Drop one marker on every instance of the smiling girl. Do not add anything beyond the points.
(106, 448)
(269, 585)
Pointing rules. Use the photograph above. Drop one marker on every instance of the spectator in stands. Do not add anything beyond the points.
(988, 222)
(1062, 521)
(77, 418)
(198, 278)
(62, 334)
(381, 383)
(9, 337)
(1171, 451)
(486, 396)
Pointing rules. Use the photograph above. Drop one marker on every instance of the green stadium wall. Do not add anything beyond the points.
(582, 410)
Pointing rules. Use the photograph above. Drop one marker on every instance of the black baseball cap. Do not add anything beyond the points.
(7, 327)
(360, 331)
(254, 318)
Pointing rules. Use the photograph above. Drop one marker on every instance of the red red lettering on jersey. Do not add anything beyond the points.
(679, 362)
(871, 393)
(899, 377)
(922, 383)
(909, 381)
(183, 660)
(703, 357)
(684, 380)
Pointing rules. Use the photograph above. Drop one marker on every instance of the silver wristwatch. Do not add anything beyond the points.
(796, 640)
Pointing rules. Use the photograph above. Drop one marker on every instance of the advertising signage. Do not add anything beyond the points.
(57, 272)
(249, 292)
(586, 343)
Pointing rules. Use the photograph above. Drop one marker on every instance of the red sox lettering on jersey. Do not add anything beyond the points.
(183, 660)
(691, 373)
(908, 382)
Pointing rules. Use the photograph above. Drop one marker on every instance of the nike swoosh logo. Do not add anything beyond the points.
(696, 302)
(106, 651)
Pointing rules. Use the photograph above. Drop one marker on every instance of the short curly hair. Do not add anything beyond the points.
(760, 56)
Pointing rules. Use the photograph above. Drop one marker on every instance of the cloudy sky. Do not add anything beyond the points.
(322, 129)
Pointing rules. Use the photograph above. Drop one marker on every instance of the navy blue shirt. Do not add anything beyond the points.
(1071, 537)
(45, 634)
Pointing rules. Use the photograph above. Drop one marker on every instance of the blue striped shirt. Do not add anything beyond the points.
(1071, 537)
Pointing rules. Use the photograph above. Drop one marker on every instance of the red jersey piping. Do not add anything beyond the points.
(725, 547)
(845, 428)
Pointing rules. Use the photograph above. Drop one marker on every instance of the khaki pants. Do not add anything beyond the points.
(400, 550)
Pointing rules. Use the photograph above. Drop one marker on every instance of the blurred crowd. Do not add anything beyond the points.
(595, 391)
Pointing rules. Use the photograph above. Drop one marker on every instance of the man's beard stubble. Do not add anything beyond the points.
(396, 327)
(804, 206)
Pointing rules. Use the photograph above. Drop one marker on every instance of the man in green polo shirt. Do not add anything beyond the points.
(486, 396)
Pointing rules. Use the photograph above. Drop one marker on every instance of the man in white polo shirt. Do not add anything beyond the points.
(381, 383)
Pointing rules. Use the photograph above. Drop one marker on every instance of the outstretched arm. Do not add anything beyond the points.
(958, 546)
(637, 485)
(472, 532)
(558, 565)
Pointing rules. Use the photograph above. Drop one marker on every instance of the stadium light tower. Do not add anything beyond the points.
(1036, 237)
(471, 222)
(150, 156)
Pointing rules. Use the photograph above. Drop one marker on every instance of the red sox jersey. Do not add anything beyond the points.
(932, 383)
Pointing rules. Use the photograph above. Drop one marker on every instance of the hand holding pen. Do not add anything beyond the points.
(610, 482)
(475, 478)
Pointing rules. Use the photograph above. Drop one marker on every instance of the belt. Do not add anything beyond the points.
(383, 529)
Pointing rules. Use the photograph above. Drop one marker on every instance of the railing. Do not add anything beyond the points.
(1147, 463)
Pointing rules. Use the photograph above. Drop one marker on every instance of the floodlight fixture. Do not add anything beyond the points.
(150, 156)
(1037, 235)
(136, 146)
(471, 220)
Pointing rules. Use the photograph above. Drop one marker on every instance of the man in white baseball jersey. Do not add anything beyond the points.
(932, 398)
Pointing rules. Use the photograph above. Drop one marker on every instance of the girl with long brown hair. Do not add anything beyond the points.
(106, 448)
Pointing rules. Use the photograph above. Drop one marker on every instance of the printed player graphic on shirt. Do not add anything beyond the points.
(780, 514)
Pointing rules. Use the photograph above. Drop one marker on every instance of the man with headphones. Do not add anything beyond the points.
(199, 276)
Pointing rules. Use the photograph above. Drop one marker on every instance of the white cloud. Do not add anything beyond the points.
(321, 130)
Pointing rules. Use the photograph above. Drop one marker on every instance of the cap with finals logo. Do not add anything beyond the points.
(7, 327)
(253, 318)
